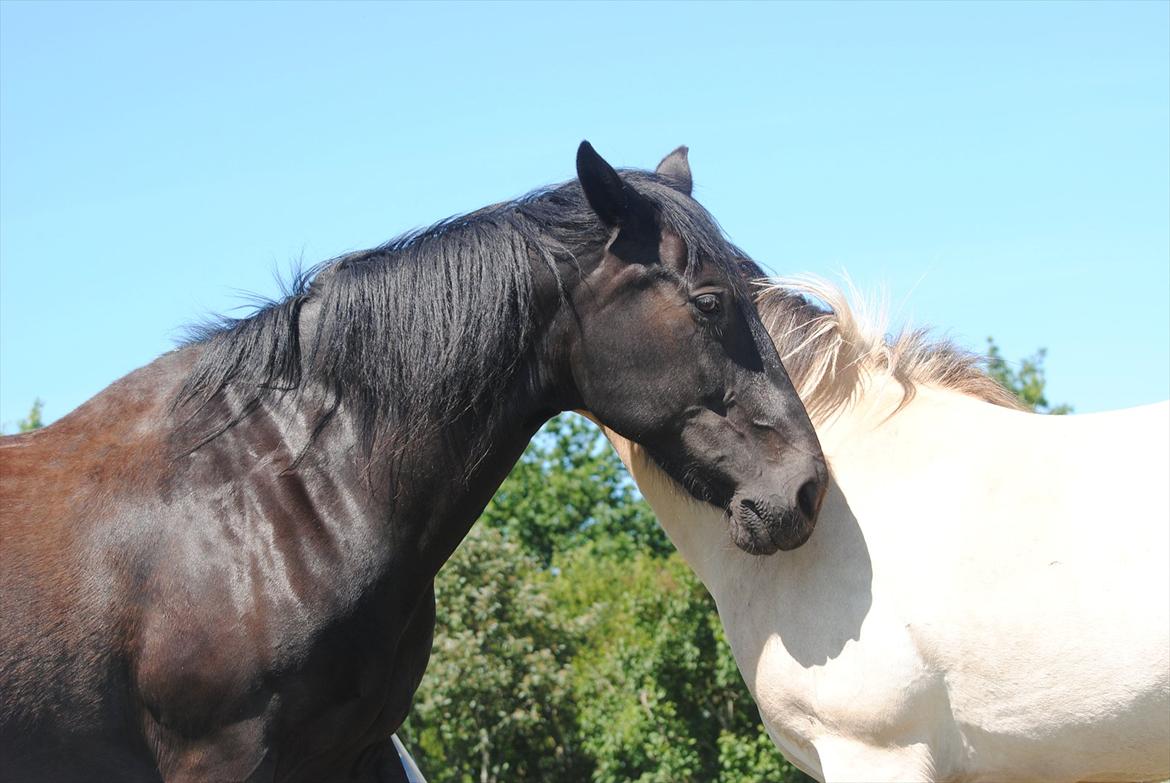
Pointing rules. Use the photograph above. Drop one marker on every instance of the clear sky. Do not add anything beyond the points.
(1000, 168)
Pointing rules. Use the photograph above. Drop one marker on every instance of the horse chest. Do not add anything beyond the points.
(842, 691)
(343, 694)
(848, 718)
(332, 719)
(303, 675)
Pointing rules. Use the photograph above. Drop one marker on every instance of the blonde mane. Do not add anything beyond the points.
(827, 345)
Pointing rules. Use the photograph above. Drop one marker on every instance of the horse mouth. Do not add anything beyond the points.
(759, 530)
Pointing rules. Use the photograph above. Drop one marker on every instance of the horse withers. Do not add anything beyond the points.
(985, 597)
(221, 567)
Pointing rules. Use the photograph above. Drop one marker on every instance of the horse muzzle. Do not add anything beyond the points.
(762, 524)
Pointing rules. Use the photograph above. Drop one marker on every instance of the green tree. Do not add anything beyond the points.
(496, 702)
(570, 488)
(1026, 381)
(33, 422)
(659, 696)
(754, 759)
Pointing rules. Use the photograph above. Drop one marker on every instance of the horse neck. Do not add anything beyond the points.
(949, 461)
(888, 429)
(415, 488)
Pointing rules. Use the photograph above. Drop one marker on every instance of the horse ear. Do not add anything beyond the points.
(676, 167)
(603, 188)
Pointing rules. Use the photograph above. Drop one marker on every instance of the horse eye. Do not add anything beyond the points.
(707, 303)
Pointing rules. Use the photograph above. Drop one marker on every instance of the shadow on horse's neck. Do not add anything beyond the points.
(823, 590)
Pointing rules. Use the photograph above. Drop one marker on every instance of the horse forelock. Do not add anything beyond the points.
(705, 240)
(829, 339)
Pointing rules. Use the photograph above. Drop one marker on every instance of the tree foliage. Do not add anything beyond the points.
(33, 422)
(659, 694)
(570, 488)
(496, 704)
(1026, 379)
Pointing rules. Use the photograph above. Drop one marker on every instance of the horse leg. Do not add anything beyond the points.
(849, 761)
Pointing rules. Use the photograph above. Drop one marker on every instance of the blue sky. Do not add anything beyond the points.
(1000, 168)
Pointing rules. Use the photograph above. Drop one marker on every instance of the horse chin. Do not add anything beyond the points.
(750, 537)
(759, 534)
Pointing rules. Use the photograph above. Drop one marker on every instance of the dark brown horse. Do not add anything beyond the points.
(220, 567)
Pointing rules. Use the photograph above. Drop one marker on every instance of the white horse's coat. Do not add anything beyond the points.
(986, 596)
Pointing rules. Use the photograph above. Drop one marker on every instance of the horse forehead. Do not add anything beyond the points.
(672, 249)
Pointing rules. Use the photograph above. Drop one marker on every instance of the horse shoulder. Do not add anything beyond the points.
(832, 658)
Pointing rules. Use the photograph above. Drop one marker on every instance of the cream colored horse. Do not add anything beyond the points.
(986, 596)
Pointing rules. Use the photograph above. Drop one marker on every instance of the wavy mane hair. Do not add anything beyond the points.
(827, 345)
(426, 328)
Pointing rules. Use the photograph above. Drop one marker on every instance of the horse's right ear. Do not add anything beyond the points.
(675, 167)
(603, 188)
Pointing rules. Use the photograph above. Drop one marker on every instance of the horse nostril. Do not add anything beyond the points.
(808, 499)
(750, 509)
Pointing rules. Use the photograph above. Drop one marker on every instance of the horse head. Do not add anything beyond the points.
(670, 353)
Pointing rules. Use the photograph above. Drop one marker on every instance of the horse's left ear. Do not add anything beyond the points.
(676, 167)
(603, 188)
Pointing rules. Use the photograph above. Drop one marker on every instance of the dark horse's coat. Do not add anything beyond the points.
(220, 567)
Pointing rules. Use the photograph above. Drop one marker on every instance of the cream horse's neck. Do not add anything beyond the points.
(985, 596)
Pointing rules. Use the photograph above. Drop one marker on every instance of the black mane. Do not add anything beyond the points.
(426, 327)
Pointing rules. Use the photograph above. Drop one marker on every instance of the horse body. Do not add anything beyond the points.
(220, 633)
(221, 567)
(984, 598)
(60, 489)
(1017, 626)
